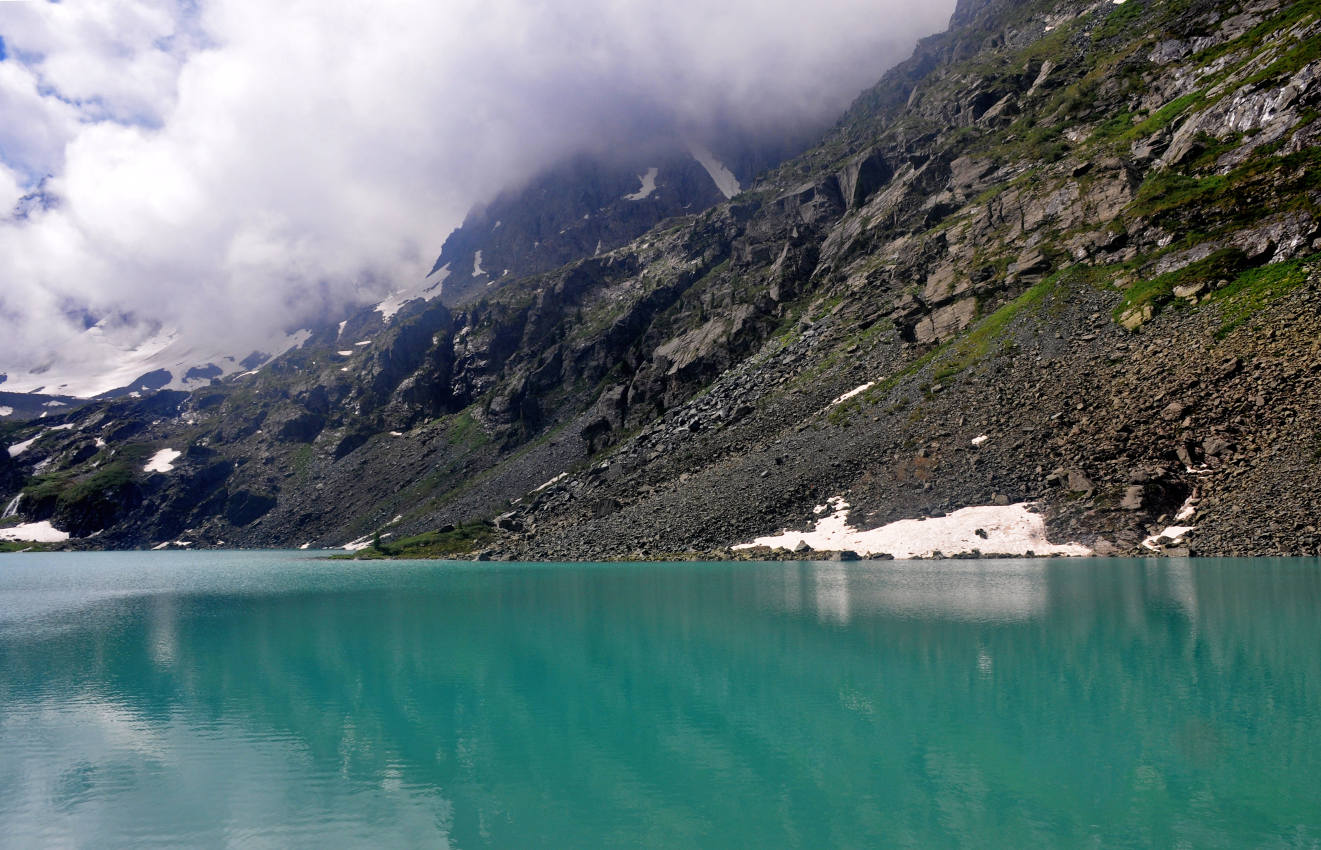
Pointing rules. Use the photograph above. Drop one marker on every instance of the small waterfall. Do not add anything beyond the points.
(12, 508)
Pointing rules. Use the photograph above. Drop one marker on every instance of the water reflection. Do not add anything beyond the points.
(993, 591)
(1035, 702)
(959, 590)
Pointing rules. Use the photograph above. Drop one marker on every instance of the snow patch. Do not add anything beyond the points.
(648, 186)
(306, 546)
(477, 265)
(1175, 533)
(348, 353)
(54, 403)
(166, 351)
(36, 532)
(994, 529)
(162, 461)
(981, 441)
(391, 305)
(67, 426)
(552, 482)
(18, 448)
(297, 339)
(851, 393)
(364, 342)
(398, 299)
(6, 411)
(342, 325)
(12, 508)
(724, 179)
(358, 545)
(1172, 533)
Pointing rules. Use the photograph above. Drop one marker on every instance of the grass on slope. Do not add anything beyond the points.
(432, 544)
(25, 546)
(1253, 289)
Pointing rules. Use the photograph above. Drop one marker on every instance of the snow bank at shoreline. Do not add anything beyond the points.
(991, 529)
(34, 532)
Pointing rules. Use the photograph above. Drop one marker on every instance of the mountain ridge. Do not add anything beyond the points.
(1065, 255)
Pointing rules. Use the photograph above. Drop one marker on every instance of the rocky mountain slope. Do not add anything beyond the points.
(594, 203)
(1066, 255)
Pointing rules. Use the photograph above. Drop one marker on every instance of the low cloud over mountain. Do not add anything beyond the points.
(229, 168)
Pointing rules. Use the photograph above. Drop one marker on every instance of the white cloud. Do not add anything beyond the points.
(10, 188)
(231, 167)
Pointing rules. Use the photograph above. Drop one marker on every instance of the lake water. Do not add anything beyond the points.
(273, 700)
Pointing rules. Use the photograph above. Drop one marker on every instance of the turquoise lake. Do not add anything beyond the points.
(271, 699)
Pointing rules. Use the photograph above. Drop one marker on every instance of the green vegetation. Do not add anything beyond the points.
(1309, 50)
(1158, 291)
(466, 431)
(1290, 14)
(1162, 117)
(432, 544)
(301, 459)
(1121, 127)
(985, 338)
(109, 477)
(1255, 288)
(1166, 190)
(990, 333)
(25, 546)
(1119, 19)
(1114, 127)
(91, 481)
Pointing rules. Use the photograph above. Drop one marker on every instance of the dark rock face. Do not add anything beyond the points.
(11, 475)
(27, 406)
(1012, 272)
(244, 507)
(591, 204)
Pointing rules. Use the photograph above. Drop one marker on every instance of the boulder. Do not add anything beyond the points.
(1134, 496)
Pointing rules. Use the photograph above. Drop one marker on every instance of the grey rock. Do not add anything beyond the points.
(1134, 496)
(1079, 482)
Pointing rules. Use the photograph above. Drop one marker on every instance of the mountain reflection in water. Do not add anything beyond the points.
(203, 698)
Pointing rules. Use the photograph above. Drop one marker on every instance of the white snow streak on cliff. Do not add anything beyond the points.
(648, 186)
(724, 179)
